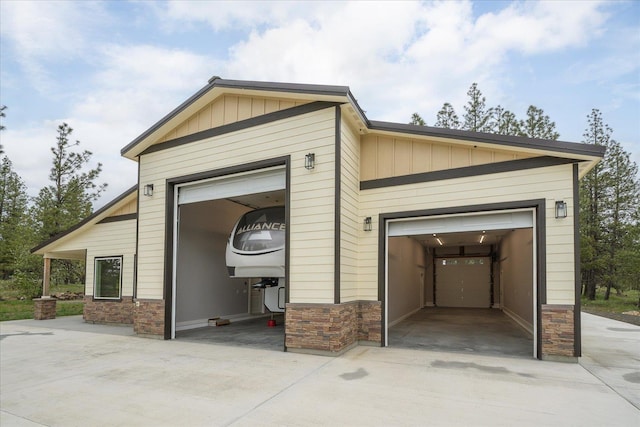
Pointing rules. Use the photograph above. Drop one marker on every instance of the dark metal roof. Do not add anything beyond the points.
(87, 219)
(344, 91)
(491, 138)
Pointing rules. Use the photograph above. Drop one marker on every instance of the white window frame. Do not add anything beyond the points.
(95, 277)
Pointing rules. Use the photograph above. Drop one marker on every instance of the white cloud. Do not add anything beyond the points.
(48, 31)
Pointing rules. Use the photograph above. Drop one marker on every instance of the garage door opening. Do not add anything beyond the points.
(463, 283)
(210, 303)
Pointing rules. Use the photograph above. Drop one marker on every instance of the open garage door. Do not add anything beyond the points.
(464, 281)
(205, 213)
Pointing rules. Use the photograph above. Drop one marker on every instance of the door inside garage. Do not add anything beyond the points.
(205, 297)
(463, 282)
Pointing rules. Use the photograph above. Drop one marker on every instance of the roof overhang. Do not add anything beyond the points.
(50, 248)
(587, 155)
(217, 87)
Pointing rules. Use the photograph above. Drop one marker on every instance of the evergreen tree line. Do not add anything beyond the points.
(609, 193)
(28, 221)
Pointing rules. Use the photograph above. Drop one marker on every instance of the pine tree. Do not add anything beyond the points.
(609, 214)
(416, 119)
(477, 117)
(68, 199)
(621, 208)
(447, 117)
(504, 122)
(2, 115)
(538, 125)
(13, 212)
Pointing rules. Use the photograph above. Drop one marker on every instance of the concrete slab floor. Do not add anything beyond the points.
(467, 330)
(57, 376)
(253, 333)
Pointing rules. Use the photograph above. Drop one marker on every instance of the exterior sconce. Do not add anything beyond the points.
(367, 225)
(310, 161)
(148, 190)
(561, 209)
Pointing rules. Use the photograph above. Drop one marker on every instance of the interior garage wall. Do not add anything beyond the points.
(428, 278)
(406, 277)
(516, 270)
(203, 287)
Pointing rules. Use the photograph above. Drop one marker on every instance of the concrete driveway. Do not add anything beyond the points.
(63, 372)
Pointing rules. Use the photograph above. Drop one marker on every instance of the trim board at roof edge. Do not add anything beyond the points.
(467, 171)
(97, 216)
(242, 124)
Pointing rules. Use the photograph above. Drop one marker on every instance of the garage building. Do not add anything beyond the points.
(383, 221)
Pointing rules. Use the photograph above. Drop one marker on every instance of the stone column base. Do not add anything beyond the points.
(331, 329)
(44, 308)
(148, 318)
(558, 335)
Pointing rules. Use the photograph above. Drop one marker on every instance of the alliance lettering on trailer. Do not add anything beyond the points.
(273, 226)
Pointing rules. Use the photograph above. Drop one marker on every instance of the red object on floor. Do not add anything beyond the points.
(271, 323)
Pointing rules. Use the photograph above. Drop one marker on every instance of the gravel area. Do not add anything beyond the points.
(628, 318)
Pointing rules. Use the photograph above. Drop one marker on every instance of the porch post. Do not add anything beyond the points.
(45, 308)
(46, 277)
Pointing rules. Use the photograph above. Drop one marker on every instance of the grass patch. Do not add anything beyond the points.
(15, 306)
(628, 301)
(17, 310)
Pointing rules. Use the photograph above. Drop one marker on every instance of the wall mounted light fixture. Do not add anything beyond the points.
(148, 190)
(367, 224)
(561, 209)
(310, 161)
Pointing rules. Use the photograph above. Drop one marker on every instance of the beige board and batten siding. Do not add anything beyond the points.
(311, 197)
(550, 183)
(385, 156)
(116, 238)
(129, 208)
(350, 218)
(228, 109)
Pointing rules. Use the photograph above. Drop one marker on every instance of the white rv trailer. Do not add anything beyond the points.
(256, 250)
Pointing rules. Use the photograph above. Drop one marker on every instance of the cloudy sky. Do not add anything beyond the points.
(112, 69)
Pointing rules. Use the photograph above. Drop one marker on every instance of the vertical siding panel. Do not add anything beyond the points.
(402, 157)
(204, 118)
(421, 157)
(460, 157)
(385, 157)
(244, 108)
(479, 157)
(369, 156)
(271, 105)
(217, 113)
(440, 157)
(230, 109)
(286, 104)
(257, 107)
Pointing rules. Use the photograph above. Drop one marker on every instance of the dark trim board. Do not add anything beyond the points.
(577, 339)
(171, 184)
(337, 206)
(118, 218)
(541, 268)
(467, 171)
(242, 124)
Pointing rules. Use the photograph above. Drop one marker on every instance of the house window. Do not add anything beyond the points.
(107, 281)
